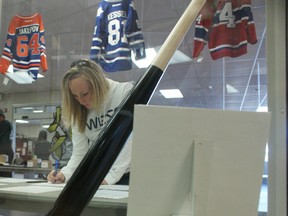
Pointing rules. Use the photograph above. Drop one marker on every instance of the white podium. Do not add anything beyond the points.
(196, 162)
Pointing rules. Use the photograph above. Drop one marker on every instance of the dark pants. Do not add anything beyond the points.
(5, 174)
(124, 180)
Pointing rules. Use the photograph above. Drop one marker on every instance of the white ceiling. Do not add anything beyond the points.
(69, 26)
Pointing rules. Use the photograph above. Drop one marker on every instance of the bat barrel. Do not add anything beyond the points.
(177, 34)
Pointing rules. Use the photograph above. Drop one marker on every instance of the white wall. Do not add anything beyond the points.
(31, 131)
(36, 97)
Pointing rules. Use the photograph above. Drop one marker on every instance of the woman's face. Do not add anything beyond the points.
(81, 90)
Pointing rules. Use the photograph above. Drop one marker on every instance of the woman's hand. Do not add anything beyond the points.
(56, 179)
(104, 182)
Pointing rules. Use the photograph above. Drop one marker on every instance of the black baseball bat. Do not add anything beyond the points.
(95, 165)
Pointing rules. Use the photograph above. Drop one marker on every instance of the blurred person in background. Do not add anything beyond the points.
(42, 146)
(5, 141)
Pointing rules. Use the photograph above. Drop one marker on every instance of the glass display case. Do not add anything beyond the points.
(202, 71)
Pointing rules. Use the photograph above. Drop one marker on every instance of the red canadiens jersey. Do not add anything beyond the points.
(25, 45)
(227, 26)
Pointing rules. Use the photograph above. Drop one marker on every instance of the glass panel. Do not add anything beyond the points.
(227, 83)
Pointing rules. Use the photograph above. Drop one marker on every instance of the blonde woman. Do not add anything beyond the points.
(89, 100)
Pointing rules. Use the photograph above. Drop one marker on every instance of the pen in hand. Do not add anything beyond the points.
(56, 167)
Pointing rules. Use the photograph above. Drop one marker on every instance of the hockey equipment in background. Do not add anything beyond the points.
(226, 26)
(117, 33)
(25, 46)
(61, 141)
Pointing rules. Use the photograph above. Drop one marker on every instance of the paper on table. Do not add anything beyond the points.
(12, 180)
(31, 189)
(105, 191)
(111, 194)
(48, 184)
(114, 187)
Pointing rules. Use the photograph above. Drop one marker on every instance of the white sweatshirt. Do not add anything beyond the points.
(95, 123)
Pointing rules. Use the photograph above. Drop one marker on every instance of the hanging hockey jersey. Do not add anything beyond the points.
(25, 46)
(227, 26)
(117, 33)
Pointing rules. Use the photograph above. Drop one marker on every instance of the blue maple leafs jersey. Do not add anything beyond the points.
(117, 32)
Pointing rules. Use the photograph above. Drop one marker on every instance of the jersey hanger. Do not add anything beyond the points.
(27, 8)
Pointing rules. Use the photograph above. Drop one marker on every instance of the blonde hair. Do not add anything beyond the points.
(73, 112)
